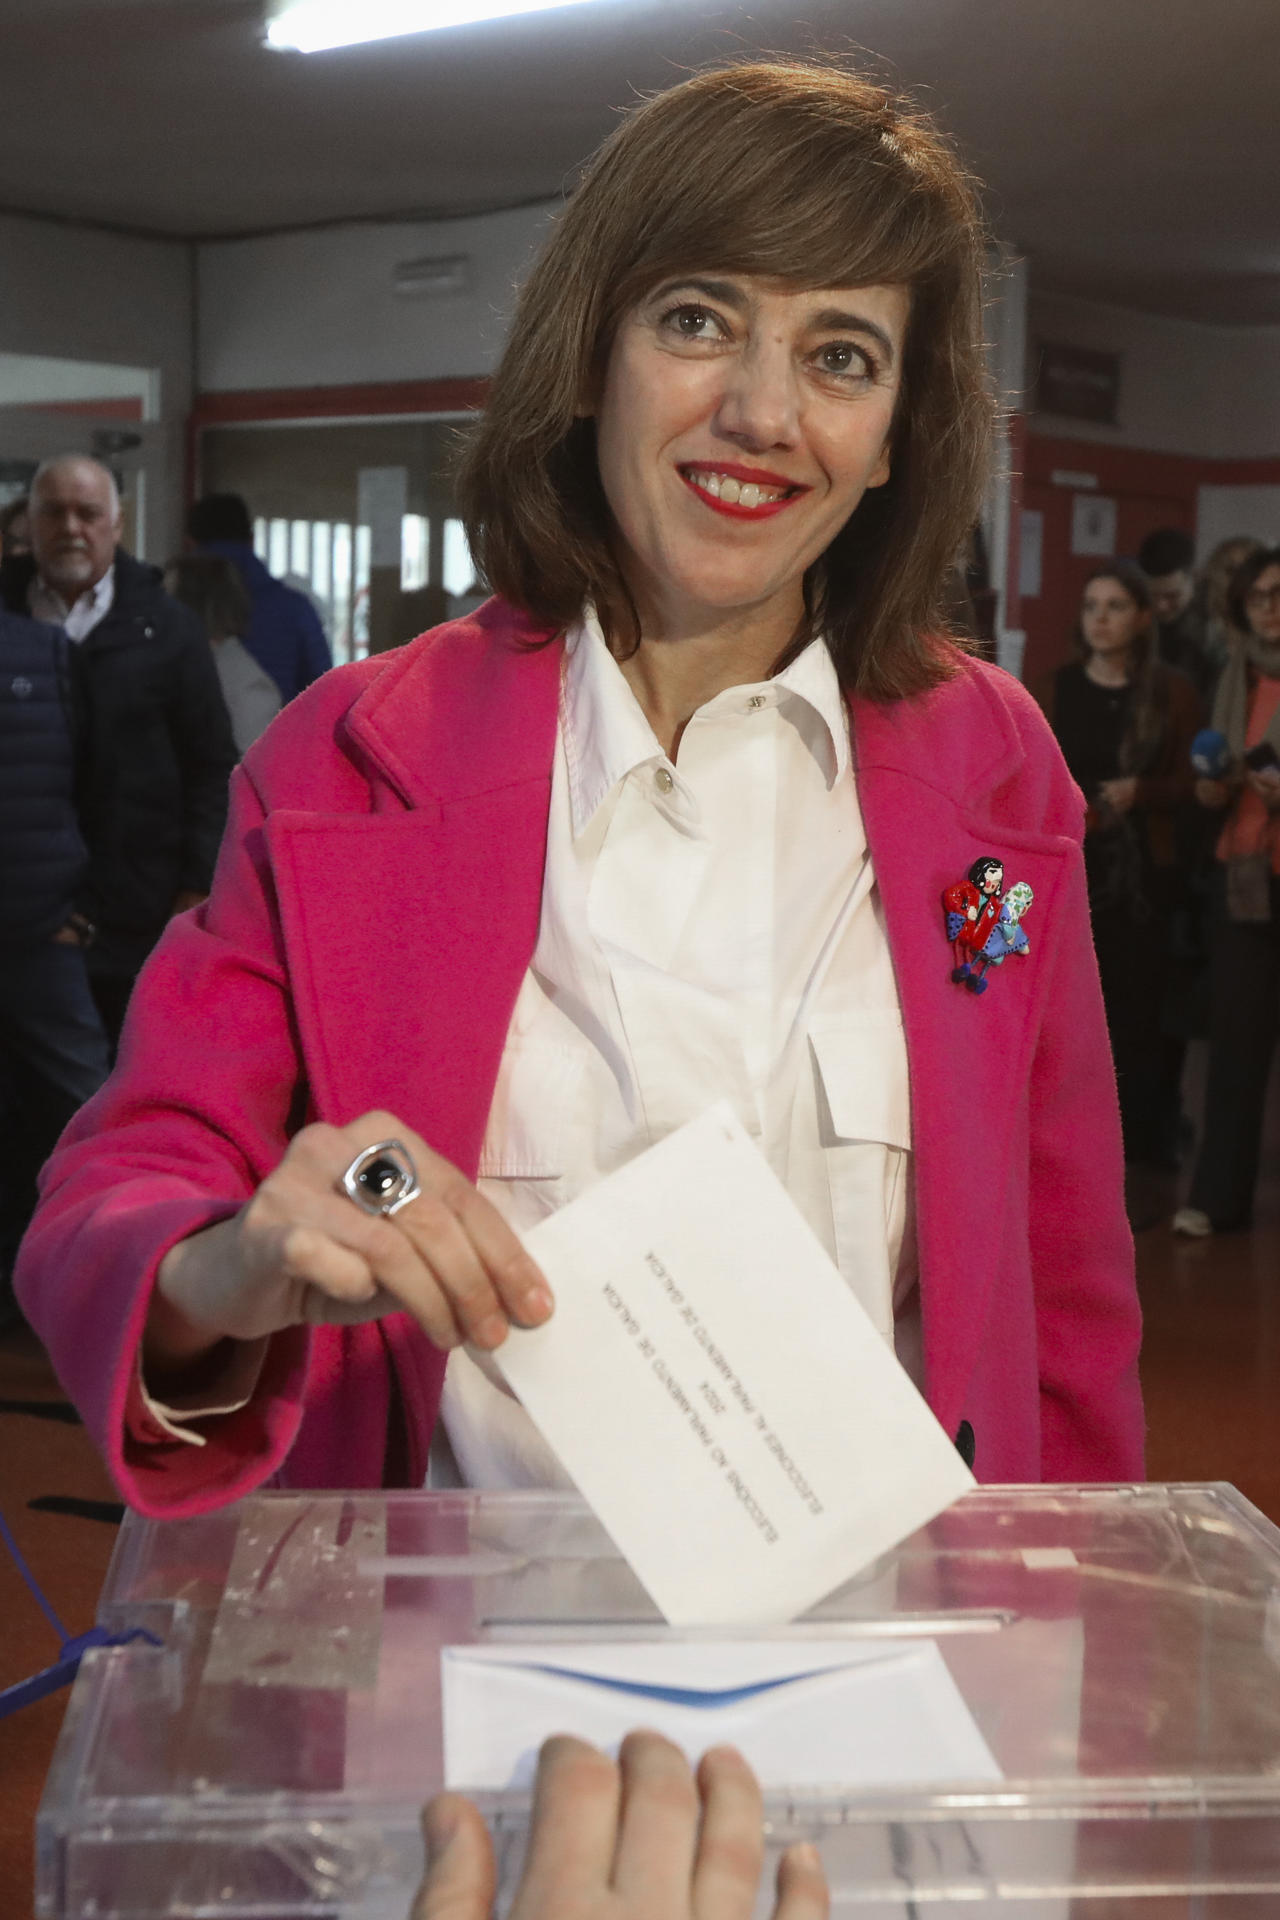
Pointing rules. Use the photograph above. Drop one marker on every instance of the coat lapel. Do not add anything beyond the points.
(929, 771)
(409, 928)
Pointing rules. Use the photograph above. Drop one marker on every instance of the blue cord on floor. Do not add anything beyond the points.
(72, 1648)
(37, 1592)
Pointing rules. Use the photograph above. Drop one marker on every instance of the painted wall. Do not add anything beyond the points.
(30, 380)
(320, 308)
(1210, 392)
(78, 294)
(1137, 490)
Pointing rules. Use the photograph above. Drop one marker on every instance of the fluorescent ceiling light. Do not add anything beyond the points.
(310, 26)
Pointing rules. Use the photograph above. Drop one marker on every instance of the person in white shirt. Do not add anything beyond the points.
(668, 821)
(211, 587)
(158, 747)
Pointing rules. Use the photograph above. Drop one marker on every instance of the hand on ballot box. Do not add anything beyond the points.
(645, 1839)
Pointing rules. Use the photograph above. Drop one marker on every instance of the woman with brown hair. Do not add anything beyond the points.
(1125, 722)
(668, 820)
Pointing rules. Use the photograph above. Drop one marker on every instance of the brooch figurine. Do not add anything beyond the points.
(984, 923)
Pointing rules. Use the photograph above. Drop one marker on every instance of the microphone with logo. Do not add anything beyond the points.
(1210, 754)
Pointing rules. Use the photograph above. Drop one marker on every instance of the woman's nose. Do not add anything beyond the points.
(760, 403)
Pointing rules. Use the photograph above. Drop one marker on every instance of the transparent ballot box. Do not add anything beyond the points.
(264, 1754)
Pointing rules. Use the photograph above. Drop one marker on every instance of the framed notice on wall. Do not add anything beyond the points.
(1031, 555)
(1093, 524)
(1078, 383)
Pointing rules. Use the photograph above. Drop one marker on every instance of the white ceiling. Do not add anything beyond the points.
(1132, 147)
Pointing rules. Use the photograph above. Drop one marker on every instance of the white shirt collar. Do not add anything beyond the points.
(84, 613)
(607, 735)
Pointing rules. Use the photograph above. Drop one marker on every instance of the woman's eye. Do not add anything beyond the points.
(842, 358)
(691, 323)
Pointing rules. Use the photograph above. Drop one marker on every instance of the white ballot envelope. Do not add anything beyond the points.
(819, 1713)
(716, 1392)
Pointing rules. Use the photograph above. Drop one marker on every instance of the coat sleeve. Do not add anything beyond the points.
(204, 751)
(199, 1109)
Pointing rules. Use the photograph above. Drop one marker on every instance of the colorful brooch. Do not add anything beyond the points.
(984, 923)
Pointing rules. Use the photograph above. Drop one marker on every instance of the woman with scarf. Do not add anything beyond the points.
(1125, 722)
(1245, 1002)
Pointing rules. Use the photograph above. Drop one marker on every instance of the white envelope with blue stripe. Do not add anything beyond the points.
(804, 1712)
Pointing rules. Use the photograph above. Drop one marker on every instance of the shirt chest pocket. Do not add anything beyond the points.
(864, 1131)
(532, 1113)
(863, 1092)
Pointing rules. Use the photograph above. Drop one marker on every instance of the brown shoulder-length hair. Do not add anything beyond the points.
(1148, 720)
(802, 173)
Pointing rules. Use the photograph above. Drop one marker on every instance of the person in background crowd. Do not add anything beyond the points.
(1245, 987)
(642, 1840)
(212, 588)
(159, 747)
(53, 1051)
(1167, 558)
(1125, 722)
(15, 530)
(284, 633)
(1216, 576)
(1192, 932)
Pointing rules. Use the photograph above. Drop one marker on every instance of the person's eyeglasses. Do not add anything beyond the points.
(1260, 597)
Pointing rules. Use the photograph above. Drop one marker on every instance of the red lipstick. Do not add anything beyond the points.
(746, 477)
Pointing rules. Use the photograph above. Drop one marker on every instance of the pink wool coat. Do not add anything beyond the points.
(375, 908)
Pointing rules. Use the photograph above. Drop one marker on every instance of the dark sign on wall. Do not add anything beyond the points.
(1078, 383)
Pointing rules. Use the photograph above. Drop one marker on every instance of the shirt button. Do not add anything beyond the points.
(755, 702)
(663, 781)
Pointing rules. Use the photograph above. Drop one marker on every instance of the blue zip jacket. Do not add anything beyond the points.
(285, 636)
(42, 855)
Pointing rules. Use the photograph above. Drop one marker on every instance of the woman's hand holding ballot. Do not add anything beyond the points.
(642, 1840)
(304, 1250)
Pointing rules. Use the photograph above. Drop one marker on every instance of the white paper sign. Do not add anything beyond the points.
(815, 1713)
(715, 1390)
(382, 500)
(1031, 554)
(1093, 524)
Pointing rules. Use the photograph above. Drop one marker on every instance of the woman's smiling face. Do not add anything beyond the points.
(738, 426)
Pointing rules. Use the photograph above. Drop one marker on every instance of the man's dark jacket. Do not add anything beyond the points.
(42, 855)
(159, 754)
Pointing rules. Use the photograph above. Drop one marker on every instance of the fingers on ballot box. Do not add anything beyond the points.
(1044, 1699)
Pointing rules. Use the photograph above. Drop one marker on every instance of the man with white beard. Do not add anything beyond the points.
(160, 751)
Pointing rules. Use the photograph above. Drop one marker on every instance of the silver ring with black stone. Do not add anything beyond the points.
(382, 1179)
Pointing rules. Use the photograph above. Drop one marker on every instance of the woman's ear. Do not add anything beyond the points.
(591, 391)
(879, 474)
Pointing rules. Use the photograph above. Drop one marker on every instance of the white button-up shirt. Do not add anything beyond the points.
(82, 616)
(710, 930)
